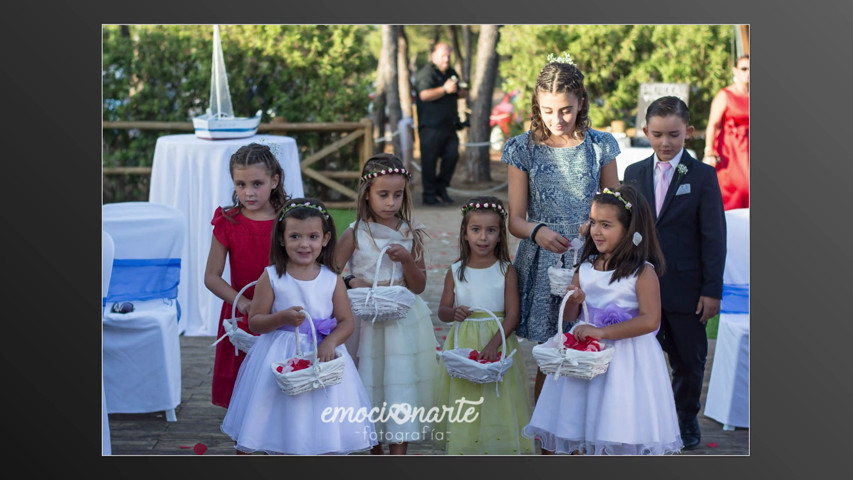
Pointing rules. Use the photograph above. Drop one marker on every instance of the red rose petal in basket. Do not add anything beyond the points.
(279, 369)
(473, 355)
(300, 364)
(199, 448)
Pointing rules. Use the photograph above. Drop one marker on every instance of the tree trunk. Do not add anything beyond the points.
(458, 62)
(392, 90)
(477, 157)
(466, 61)
(379, 98)
(378, 104)
(404, 82)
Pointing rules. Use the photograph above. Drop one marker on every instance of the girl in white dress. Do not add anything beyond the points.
(396, 359)
(263, 418)
(629, 409)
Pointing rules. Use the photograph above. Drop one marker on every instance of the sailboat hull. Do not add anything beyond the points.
(222, 128)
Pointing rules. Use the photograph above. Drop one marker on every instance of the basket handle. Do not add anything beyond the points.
(234, 313)
(313, 336)
(560, 316)
(379, 264)
(500, 327)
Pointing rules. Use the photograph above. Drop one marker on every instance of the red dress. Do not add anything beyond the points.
(248, 245)
(732, 146)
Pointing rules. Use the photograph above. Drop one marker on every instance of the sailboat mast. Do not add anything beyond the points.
(216, 54)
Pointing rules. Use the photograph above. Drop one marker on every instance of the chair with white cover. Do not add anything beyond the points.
(107, 255)
(141, 348)
(728, 386)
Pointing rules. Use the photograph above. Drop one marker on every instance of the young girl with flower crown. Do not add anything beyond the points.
(629, 409)
(483, 277)
(301, 278)
(396, 358)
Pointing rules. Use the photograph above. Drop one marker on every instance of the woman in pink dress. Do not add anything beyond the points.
(727, 138)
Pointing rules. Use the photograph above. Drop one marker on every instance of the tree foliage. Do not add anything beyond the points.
(616, 59)
(301, 73)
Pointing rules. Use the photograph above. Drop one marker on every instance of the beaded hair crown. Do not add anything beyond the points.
(563, 58)
(294, 206)
(496, 207)
(619, 196)
(386, 171)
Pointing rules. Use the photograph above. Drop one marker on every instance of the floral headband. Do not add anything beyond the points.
(386, 171)
(497, 207)
(294, 206)
(563, 58)
(619, 196)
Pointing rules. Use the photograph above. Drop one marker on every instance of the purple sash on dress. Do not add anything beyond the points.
(323, 327)
(609, 315)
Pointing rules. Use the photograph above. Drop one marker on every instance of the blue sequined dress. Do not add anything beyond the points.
(561, 184)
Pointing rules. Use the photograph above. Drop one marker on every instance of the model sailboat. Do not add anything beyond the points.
(219, 121)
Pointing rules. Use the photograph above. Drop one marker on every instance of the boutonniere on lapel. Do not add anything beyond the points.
(681, 169)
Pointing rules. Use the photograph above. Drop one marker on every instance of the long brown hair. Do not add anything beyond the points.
(627, 258)
(558, 78)
(256, 154)
(364, 213)
(501, 248)
(296, 208)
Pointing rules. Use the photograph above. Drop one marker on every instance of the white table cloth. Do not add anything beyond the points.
(728, 387)
(631, 155)
(191, 174)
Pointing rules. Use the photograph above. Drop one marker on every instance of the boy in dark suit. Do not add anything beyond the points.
(691, 227)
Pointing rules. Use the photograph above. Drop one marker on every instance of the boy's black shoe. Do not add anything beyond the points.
(690, 433)
(444, 196)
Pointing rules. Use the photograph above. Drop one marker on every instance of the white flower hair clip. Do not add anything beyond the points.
(637, 238)
(563, 58)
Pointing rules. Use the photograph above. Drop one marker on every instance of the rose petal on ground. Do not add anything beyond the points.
(200, 448)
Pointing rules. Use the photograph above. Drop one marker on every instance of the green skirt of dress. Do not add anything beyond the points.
(494, 426)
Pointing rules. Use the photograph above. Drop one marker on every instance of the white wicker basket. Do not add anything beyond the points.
(554, 358)
(381, 303)
(458, 364)
(241, 339)
(318, 374)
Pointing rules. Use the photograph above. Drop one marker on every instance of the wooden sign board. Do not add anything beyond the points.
(649, 92)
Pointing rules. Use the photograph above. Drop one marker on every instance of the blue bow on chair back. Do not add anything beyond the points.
(144, 279)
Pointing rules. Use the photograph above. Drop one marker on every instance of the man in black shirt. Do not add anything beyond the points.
(437, 85)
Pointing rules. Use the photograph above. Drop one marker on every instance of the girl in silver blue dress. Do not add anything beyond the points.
(554, 170)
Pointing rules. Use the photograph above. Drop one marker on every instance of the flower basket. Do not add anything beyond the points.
(381, 303)
(317, 374)
(555, 359)
(241, 339)
(559, 277)
(459, 365)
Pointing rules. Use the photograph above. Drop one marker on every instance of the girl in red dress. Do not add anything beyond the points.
(242, 233)
(727, 138)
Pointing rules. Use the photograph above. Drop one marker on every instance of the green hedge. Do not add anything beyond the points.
(302, 73)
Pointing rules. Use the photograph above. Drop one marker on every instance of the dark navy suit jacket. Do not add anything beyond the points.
(691, 229)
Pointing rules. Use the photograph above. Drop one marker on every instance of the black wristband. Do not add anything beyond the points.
(347, 280)
(533, 232)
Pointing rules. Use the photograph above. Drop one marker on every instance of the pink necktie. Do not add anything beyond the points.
(663, 183)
